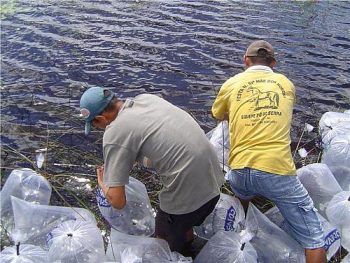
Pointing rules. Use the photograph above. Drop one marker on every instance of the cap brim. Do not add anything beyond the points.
(87, 127)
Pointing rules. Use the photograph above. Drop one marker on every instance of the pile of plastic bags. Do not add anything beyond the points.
(44, 233)
(335, 132)
(328, 184)
(255, 239)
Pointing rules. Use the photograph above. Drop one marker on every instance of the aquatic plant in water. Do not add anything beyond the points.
(7, 8)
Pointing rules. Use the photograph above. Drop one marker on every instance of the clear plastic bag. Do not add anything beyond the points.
(270, 242)
(332, 124)
(226, 216)
(228, 247)
(332, 237)
(320, 183)
(337, 157)
(23, 253)
(33, 222)
(75, 241)
(136, 254)
(276, 217)
(338, 210)
(137, 217)
(331, 234)
(219, 137)
(345, 241)
(128, 248)
(25, 184)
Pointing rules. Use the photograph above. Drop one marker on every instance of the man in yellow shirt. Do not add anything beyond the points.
(258, 104)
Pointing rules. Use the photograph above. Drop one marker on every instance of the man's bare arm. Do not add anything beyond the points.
(115, 195)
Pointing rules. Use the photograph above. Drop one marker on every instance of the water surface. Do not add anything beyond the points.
(182, 50)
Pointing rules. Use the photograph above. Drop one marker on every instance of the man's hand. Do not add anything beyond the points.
(100, 173)
(115, 195)
(104, 188)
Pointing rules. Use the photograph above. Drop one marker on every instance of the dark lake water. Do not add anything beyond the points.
(182, 50)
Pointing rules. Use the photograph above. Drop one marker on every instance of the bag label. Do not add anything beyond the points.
(101, 200)
(230, 219)
(331, 238)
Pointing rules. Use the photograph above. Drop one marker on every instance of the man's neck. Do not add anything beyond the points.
(259, 67)
(119, 106)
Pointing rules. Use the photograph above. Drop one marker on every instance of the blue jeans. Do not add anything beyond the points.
(290, 197)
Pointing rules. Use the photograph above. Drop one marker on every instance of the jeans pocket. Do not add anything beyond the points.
(236, 176)
(309, 216)
(229, 175)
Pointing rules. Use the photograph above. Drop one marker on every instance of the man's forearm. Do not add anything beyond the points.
(115, 195)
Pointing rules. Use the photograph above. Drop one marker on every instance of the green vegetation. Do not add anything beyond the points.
(7, 8)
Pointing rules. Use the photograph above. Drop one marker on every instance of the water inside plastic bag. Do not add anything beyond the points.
(320, 183)
(336, 155)
(33, 222)
(24, 253)
(271, 242)
(137, 217)
(227, 247)
(75, 241)
(27, 185)
(126, 248)
(338, 210)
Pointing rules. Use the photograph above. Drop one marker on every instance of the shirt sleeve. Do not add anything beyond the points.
(220, 106)
(118, 161)
(294, 94)
(291, 90)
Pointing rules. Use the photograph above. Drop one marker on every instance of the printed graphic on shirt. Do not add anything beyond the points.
(261, 106)
(264, 99)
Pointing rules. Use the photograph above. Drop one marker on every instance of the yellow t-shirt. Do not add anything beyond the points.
(259, 104)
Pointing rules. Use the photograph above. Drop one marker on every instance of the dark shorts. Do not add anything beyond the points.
(173, 228)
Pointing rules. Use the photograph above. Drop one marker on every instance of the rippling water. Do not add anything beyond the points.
(182, 50)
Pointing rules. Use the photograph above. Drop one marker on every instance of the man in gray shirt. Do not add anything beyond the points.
(148, 126)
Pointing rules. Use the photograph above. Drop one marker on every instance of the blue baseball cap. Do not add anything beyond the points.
(92, 103)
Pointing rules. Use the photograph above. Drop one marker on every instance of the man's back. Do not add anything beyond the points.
(178, 148)
(259, 104)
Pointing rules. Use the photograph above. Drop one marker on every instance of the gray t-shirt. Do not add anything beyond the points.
(151, 127)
